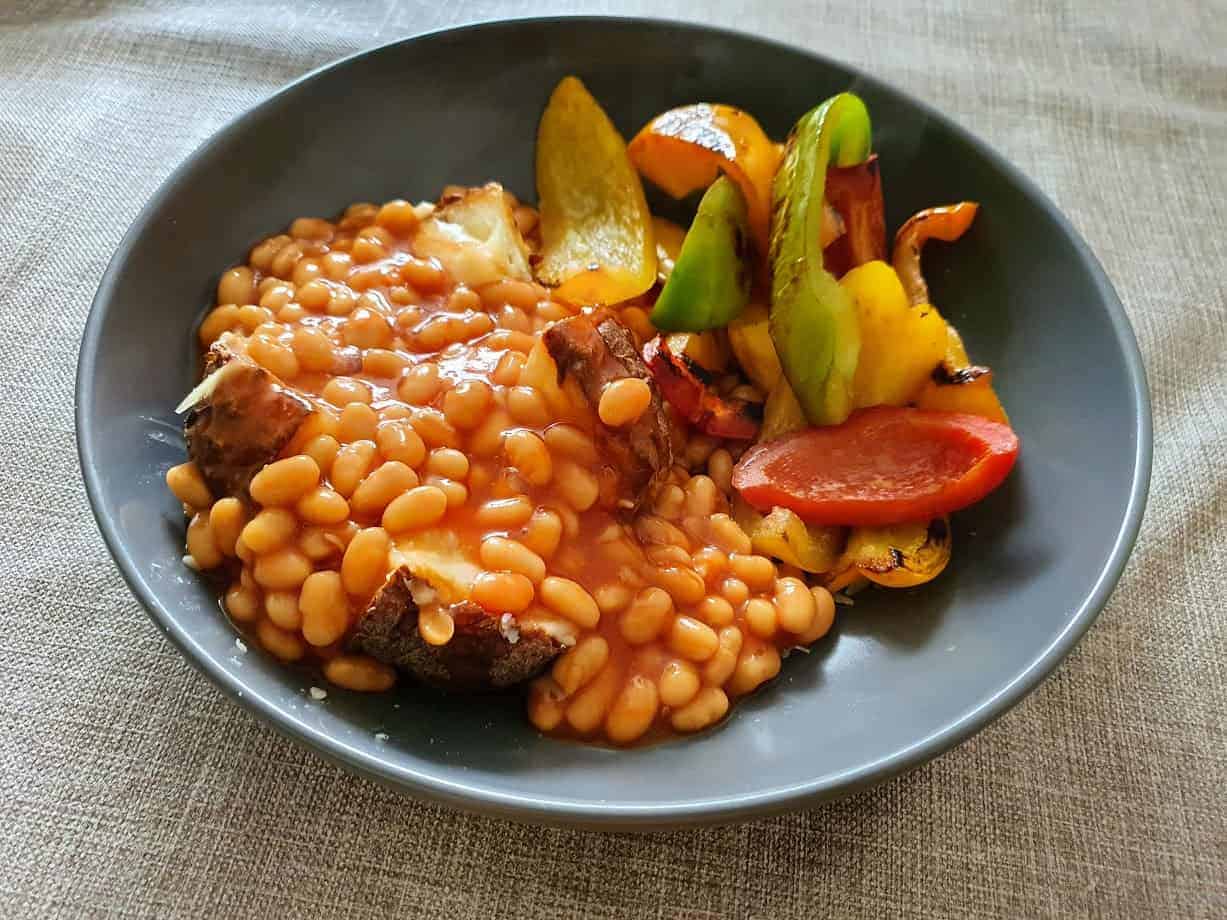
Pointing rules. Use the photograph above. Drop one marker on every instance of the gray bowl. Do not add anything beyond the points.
(903, 677)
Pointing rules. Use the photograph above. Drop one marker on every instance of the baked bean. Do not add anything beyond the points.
(456, 493)
(426, 275)
(653, 529)
(465, 405)
(226, 519)
(528, 454)
(760, 617)
(397, 216)
(527, 406)
(507, 371)
(578, 487)
(380, 362)
(679, 682)
(711, 563)
(728, 535)
(252, 317)
(757, 664)
(358, 423)
(341, 391)
(587, 709)
(633, 711)
(568, 440)
(419, 507)
(612, 598)
(322, 506)
(336, 265)
(352, 464)
(794, 605)
(366, 250)
(666, 556)
(567, 597)
(500, 592)
(707, 708)
(319, 543)
(397, 440)
(647, 615)
(324, 420)
(242, 603)
(243, 552)
(438, 332)
(692, 639)
(720, 469)
(420, 384)
(720, 666)
(543, 531)
(684, 584)
(323, 450)
(623, 401)
(281, 569)
(436, 627)
(365, 564)
(669, 502)
(188, 485)
(342, 302)
(201, 544)
(521, 294)
(487, 438)
(734, 591)
(313, 349)
(387, 481)
(552, 310)
(758, 572)
(449, 463)
(701, 496)
(311, 228)
(434, 429)
(505, 513)
(502, 554)
(273, 356)
(360, 673)
(510, 340)
(220, 319)
(824, 616)
(545, 704)
(715, 611)
(286, 259)
(237, 286)
(269, 530)
(307, 269)
(575, 667)
(280, 643)
(282, 609)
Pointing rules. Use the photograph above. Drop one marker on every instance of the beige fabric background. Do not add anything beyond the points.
(130, 788)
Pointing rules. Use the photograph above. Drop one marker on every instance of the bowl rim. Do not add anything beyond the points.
(605, 814)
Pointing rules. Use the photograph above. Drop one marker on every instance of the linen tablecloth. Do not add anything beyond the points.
(129, 787)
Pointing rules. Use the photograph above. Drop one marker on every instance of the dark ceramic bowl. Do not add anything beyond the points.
(903, 676)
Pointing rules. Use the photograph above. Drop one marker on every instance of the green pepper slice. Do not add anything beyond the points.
(813, 320)
(710, 283)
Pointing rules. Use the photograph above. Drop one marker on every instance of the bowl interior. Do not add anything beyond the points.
(902, 676)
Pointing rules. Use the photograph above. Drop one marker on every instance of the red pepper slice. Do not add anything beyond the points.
(882, 466)
(855, 193)
(684, 384)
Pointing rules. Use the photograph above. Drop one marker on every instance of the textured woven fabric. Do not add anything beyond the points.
(129, 787)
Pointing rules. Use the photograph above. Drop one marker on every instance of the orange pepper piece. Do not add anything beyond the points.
(684, 149)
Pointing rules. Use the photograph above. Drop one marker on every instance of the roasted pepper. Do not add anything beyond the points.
(685, 149)
(898, 556)
(687, 386)
(900, 343)
(954, 383)
(750, 339)
(596, 231)
(813, 320)
(710, 282)
(785, 536)
(855, 194)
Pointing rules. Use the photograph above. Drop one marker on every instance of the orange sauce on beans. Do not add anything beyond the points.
(417, 380)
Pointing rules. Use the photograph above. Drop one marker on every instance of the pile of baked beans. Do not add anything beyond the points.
(438, 416)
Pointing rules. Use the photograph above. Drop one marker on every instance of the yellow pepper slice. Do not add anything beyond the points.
(684, 149)
(900, 343)
(596, 230)
(899, 556)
